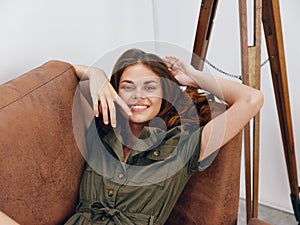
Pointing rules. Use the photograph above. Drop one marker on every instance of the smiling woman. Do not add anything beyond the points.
(149, 136)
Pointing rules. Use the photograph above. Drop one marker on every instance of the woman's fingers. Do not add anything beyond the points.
(105, 103)
(112, 112)
(95, 100)
(170, 61)
(123, 105)
(104, 108)
(104, 97)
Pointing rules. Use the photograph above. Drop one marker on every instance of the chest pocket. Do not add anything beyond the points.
(163, 151)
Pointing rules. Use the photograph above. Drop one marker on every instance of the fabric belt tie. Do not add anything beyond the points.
(98, 212)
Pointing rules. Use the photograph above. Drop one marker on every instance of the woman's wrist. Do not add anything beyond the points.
(95, 71)
(85, 72)
(195, 76)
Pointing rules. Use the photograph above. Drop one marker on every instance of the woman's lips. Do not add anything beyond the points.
(138, 108)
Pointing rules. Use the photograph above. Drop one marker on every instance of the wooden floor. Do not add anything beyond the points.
(267, 214)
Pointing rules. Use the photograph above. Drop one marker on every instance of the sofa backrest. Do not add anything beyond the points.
(40, 165)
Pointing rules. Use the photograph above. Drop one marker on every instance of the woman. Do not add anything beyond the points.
(148, 144)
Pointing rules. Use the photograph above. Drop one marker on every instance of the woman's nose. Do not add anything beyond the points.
(138, 93)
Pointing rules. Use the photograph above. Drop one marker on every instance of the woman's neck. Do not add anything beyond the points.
(136, 128)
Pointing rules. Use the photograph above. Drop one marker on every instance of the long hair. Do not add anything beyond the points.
(178, 106)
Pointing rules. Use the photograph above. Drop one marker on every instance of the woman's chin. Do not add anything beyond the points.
(138, 120)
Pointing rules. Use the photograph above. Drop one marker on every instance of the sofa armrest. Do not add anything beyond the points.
(41, 164)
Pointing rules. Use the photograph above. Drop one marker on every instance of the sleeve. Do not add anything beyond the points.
(207, 161)
(194, 143)
(94, 136)
(192, 147)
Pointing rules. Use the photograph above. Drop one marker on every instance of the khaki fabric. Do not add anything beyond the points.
(144, 190)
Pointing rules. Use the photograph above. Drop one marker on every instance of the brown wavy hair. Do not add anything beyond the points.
(178, 106)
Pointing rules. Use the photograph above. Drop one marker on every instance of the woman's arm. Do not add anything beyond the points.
(244, 102)
(101, 91)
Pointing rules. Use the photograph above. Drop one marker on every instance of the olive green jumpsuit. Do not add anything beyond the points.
(143, 190)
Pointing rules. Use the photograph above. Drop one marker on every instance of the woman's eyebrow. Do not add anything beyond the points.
(127, 81)
(146, 82)
(150, 81)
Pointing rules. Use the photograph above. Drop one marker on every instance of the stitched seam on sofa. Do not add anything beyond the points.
(33, 89)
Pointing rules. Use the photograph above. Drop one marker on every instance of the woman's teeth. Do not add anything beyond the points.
(138, 106)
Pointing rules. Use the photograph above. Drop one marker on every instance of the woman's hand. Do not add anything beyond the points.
(181, 71)
(103, 94)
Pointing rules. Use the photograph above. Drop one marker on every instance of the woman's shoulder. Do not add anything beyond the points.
(182, 133)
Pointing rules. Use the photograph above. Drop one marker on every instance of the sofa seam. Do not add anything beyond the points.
(34, 88)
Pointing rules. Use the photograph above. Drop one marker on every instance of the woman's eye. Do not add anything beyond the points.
(150, 88)
(128, 88)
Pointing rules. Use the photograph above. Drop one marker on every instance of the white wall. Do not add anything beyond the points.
(34, 31)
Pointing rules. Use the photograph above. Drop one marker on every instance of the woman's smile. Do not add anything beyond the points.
(138, 107)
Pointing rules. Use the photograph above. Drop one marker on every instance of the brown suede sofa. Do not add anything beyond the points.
(41, 164)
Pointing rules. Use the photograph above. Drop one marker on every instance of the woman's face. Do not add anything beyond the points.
(141, 89)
